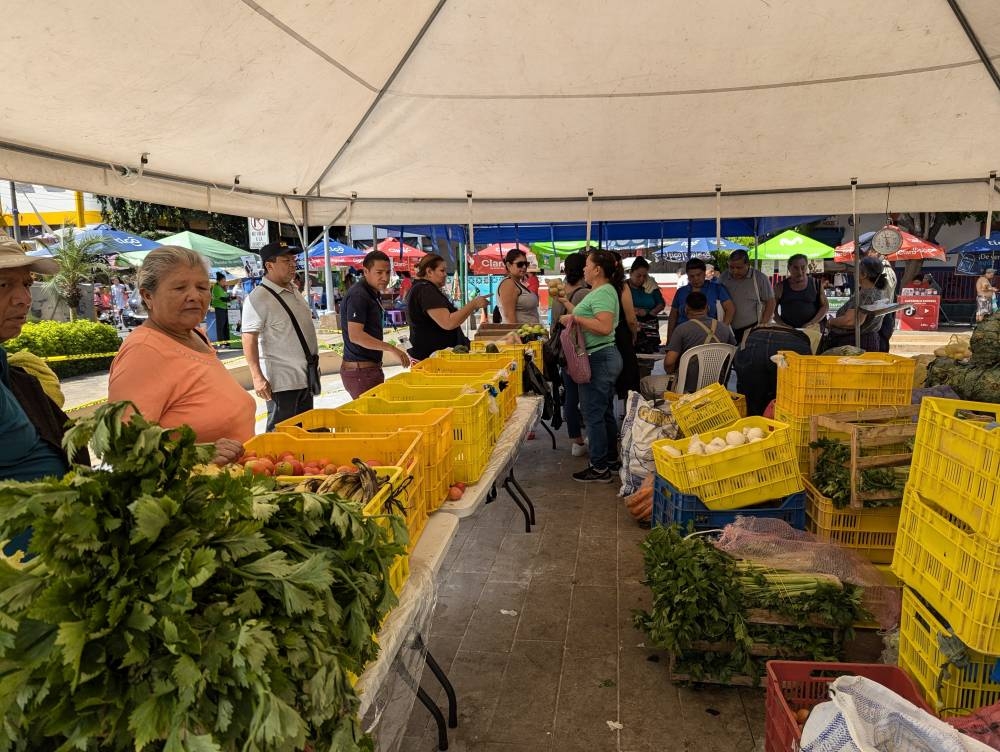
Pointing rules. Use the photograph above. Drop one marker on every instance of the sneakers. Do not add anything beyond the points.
(578, 450)
(593, 475)
(614, 466)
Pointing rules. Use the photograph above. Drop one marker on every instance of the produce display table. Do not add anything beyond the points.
(389, 685)
(500, 468)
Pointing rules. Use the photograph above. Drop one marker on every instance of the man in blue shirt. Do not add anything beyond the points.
(713, 291)
(361, 316)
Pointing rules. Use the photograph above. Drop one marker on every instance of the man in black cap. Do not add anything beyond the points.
(279, 339)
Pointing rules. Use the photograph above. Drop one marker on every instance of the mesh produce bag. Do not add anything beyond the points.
(776, 544)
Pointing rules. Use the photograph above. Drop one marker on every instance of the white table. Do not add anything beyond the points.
(500, 467)
(390, 684)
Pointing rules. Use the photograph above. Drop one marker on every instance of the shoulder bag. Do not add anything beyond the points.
(312, 359)
(574, 350)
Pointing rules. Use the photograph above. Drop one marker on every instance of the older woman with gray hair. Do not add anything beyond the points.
(167, 366)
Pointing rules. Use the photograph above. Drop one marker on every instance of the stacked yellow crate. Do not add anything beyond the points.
(948, 556)
(814, 384)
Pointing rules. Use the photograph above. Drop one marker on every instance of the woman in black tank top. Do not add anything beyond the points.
(801, 300)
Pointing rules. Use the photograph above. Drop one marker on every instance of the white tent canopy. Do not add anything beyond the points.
(410, 104)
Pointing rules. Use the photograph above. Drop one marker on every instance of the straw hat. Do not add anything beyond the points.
(12, 256)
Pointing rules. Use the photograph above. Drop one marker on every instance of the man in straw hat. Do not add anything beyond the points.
(30, 422)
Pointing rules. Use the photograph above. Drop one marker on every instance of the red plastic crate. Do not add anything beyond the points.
(793, 685)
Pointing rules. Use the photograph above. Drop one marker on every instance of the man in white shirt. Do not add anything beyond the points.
(275, 354)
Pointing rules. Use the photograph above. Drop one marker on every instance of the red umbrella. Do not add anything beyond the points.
(490, 260)
(404, 257)
(912, 248)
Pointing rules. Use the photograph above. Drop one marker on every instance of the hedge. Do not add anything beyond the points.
(48, 338)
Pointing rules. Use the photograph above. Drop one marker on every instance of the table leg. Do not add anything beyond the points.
(435, 711)
(549, 432)
(527, 499)
(449, 690)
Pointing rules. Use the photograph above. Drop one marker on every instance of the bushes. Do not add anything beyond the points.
(47, 338)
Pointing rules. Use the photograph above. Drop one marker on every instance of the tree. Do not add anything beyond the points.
(156, 220)
(926, 226)
(80, 263)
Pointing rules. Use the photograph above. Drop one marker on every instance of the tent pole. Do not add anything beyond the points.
(590, 204)
(718, 216)
(463, 269)
(304, 238)
(988, 225)
(327, 274)
(14, 213)
(857, 264)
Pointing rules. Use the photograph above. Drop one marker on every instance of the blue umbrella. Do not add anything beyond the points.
(113, 241)
(980, 245)
(337, 250)
(700, 246)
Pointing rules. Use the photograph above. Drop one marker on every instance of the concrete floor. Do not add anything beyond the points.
(551, 676)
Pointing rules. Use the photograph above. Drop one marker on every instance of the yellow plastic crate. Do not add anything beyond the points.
(813, 384)
(489, 381)
(471, 442)
(400, 449)
(738, 477)
(399, 573)
(398, 391)
(946, 688)
(705, 410)
(956, 570)
(799, 430)
(957, 462)
(535, 348)
(445, 361)
(870, 532)
(434, 423)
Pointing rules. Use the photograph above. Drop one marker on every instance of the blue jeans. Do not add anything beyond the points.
(571, 407)
(597, 401)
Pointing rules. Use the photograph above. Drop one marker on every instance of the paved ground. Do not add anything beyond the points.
(551, 677)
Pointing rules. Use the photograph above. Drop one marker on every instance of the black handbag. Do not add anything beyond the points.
(312, 359)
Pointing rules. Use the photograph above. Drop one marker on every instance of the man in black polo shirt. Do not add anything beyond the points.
(361, 322)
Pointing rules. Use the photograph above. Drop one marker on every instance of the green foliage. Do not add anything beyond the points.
(702, 595)
(156, 220)
(79, 263)
(832, 477)
(47, 338)
(172, 608)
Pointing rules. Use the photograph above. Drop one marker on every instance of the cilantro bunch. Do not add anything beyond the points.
(169, 609)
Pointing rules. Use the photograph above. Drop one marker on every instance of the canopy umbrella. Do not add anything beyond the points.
(549, 252)
(341, 254)
(701, 246)
(112, 241)
(977, 255)
(217, 252)
(980, 245)
(789, 243)
(404, 257)
(912, 248)
(490, 260)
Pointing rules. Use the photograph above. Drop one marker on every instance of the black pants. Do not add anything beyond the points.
(738, 333)
(221, 324)
(285, 405)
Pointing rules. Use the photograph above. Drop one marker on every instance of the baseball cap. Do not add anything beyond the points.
(278, 248)
(13, 256)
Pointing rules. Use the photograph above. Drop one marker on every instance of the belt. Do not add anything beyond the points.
(356, 365)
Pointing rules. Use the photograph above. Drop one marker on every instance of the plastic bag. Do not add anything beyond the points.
(864, 716)
(643, 425)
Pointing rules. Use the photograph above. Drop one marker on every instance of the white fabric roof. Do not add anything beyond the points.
(527, 104)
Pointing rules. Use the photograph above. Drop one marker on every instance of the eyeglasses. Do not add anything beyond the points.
(521, 264)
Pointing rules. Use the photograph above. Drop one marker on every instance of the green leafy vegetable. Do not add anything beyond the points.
(172, 609)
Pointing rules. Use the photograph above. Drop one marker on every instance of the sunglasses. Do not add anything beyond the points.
(521, 264)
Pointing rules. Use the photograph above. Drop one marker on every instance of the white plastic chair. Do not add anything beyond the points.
(714, 363)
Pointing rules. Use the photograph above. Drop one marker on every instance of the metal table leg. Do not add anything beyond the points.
(449, 690)
(521, 499)
(435, 711)
(549, 432)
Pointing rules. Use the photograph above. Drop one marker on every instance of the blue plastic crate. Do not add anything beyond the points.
(671, 506)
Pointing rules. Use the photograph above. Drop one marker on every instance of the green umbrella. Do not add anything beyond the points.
(219, 253)
(547, 252)
(788, 243)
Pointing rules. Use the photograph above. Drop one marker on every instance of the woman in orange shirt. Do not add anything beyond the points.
(168, 368)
